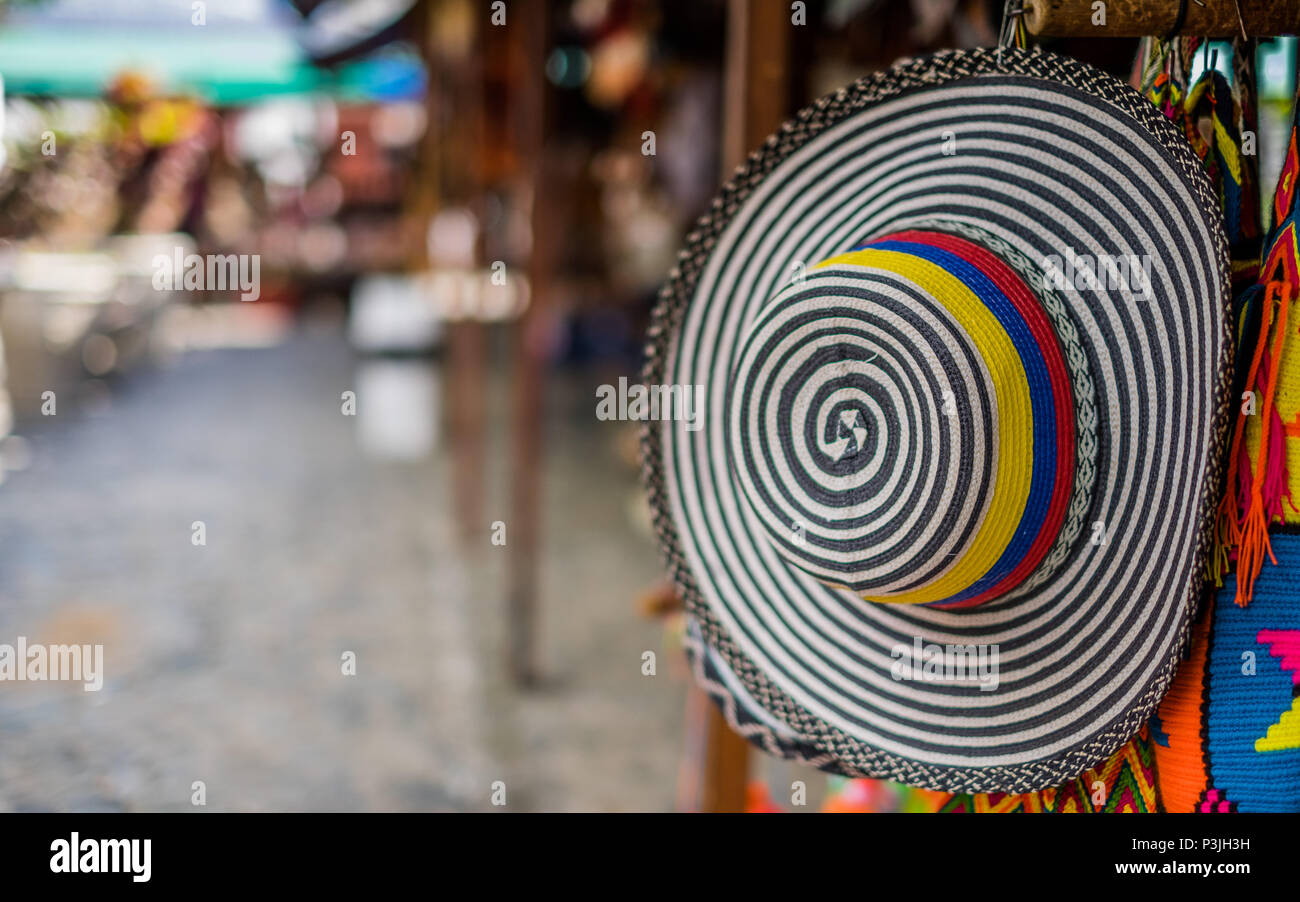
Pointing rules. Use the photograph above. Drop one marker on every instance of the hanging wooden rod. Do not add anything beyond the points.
(1135, 18)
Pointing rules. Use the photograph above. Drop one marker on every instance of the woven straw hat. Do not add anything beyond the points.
(961, 330)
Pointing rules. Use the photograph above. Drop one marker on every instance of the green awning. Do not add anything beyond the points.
(222, 66)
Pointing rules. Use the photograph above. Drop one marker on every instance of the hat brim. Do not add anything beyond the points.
(1051, 153)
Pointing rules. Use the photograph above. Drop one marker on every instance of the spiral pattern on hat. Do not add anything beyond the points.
(864, 430)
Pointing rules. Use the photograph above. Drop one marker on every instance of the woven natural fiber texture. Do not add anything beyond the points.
(1125, 784)
(1231, 721)
(1025, 508)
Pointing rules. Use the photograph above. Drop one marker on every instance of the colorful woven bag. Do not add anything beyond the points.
(1227, 735)
(1124, 784)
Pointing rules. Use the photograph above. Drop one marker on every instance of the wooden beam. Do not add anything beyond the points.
(756, 102)
(757, 76)
(530, 363)
(467, 355)
(727, 761)
(1137, 18)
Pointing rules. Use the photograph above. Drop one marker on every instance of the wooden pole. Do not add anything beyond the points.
(757, 75)
(423, 199)
(1137, 18)
(530, 363)
(467, 362)
(756, 102)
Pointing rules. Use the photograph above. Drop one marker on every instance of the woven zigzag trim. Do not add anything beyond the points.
(754, 731)
(853, 757)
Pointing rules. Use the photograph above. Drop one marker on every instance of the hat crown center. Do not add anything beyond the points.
(845, 434)
(892, 427)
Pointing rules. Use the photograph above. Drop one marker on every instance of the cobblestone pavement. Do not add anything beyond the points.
(223, 661)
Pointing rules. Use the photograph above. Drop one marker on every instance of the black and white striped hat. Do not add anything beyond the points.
(961, 330)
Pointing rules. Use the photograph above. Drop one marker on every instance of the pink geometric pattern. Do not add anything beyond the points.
(1214, 802)
(1284, 644)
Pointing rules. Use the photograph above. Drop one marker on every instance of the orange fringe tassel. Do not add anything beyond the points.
(1254, 542)
(1227, 527)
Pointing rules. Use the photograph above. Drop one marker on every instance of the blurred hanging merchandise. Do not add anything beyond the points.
(71, 315)
(224, 54)
(92, 192)
(134, 131)
(237, 52)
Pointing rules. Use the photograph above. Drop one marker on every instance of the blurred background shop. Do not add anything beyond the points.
(303, 306)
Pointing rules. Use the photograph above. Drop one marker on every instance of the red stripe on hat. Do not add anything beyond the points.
(1009, 282)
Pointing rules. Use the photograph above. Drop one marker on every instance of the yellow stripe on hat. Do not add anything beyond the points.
(1013, 418)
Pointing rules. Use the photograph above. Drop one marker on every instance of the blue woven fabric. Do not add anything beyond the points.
(1040, 391)
(1243, 706)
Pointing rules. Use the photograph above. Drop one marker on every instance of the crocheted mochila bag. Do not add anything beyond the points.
(1227, 736)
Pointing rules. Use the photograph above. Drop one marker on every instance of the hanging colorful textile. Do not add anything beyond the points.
(1264, 452)
(1227, 734)
(1219, 122)
(1126, 783)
